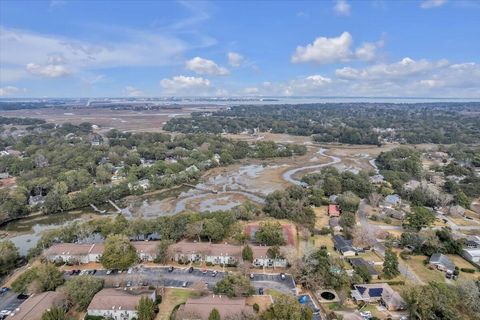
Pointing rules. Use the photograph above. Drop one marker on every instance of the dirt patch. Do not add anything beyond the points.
(289, 232)
(126, 120)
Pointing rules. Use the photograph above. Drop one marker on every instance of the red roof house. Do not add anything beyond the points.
(334, 210)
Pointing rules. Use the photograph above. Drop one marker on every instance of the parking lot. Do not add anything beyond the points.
(9, 301)
(181, 277)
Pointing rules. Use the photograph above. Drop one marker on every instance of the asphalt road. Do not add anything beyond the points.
(9, 301)
(380, 248)
(180, 277)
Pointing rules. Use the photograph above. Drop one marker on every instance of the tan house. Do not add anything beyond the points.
(86, 253)
(117, 304)
(200, 308)
(221, 253)
(34, 307)
(378, 292)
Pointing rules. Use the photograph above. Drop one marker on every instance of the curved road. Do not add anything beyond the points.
(288, 175)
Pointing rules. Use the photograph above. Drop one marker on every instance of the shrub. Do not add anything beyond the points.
(374, 217)
(467, 270)
(256, 307)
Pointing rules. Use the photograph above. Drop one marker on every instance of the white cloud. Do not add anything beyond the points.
(336, 49)
(133, 92)
(251, 90)
(342, 8)
(44, 53)
(184, 85)
(235, 59)
(205, 66)
(48, 70)
(429, 4)
(400, 69)
(8, 90)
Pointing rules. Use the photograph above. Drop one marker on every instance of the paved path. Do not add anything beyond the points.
(380, 247)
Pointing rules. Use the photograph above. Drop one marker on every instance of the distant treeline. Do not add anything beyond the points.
(20, 121)
(353, 123)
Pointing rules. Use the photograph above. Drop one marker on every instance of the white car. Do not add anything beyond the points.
(5, 312)
(130, 271)
(366, 314)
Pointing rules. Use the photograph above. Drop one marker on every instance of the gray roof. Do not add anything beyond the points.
(441, 259)
(342, 244)
(359, 262)
(393, 198)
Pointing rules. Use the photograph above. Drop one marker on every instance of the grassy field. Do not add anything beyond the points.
(416, 264)
(171, 298)
(322, 217)
(462, 263)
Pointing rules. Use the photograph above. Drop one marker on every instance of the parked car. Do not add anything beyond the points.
(94, 271)
(22, 296)
(184, 284)
(252, 276)
(109, 272)
(170, 269)
(214, 273)
(129, 283)
(260, 291)
(282, 276)
(130, 271)
(190, 270)
(366, 314)
(204, 271)
(5, 289)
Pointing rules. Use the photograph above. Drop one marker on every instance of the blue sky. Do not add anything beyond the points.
(318, 48)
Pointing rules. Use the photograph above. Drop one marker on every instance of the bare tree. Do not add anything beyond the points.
(374, 199)
(364, 236)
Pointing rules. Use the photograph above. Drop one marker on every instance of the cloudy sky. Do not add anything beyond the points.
(157, 48)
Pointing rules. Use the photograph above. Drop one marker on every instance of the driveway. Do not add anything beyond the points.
(160, 276)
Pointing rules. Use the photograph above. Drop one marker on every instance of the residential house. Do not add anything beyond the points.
(473, 242)
(36, 200)
(34, 307)
(392, 200)
(334, 224)
(343, 246)
(360, 262)
(442, 262)
(472, 255)
(333, 198)
(334, 210)
(378, 292)
(262, 260)
(200, 308)
(377, 179)
(222, 254)
(88, 252)
(118, 304)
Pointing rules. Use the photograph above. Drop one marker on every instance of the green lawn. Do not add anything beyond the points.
(171, 298)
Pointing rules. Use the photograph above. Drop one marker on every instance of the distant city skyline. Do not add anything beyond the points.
(344, 48)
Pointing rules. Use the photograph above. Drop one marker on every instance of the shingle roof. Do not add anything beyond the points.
(358, 262)
(118, 299)
(34, 307)
(225, 306)
(441, 259)
(342, 244)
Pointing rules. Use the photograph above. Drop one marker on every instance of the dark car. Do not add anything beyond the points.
(72, 272)
(170, 269)
(260, 291)
(190, 270)
(5, 289)
(22, 296)
(94, 271)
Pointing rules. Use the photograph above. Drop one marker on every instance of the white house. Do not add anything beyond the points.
(472, 255)
(392, 200)
(220, 254)
(117, 304)
(88, 252)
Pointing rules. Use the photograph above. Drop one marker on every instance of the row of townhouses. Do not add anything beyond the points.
(183, 251)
